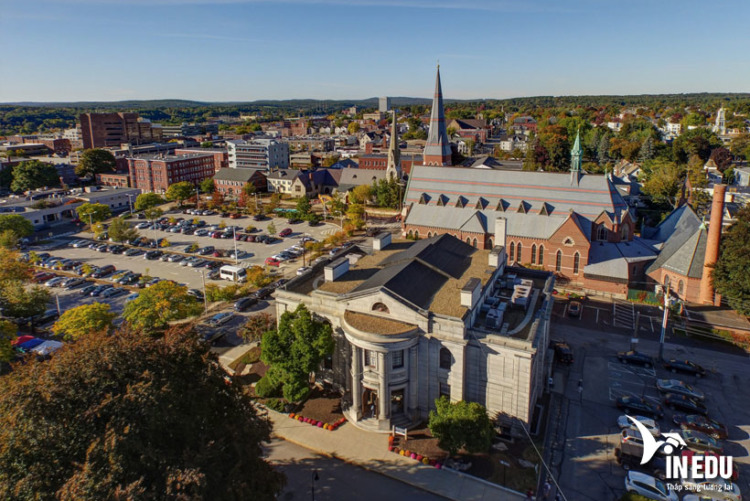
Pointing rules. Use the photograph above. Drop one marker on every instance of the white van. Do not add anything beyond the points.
(233, 273)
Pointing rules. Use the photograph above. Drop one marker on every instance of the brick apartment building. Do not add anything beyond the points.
(221, 157)
(156, 173)
(121, 180)
(101, 130)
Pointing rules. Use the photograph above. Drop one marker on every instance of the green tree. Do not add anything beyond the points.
(131, 417)
(34, 174)
(602, 151)
(121, 231)
(96, 213)
(9, 239)
(296, 349)
(207, 144)
(208, 186)
(7, 335)
(739, 146)
(19, 301)
(353, 127)
(160, 304)
(461, 425)
(95, 161)
(84, 320)
(387, 193)
(722, 157)
(663, 181)
(179, 192)
(147, 200)
(355, 214)
(19, 225)
(647, 150)
(271, 228)
(730, 275)
(695, 142)
(303, 207)
(153, 213)
(361, 194)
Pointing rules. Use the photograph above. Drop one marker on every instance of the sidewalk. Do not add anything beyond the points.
(370, 451)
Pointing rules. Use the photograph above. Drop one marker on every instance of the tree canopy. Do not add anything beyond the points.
(96, 213)
(95, 161)
(147, 200)
(730, 275)
(179, 192)
(130, 417)
(7, 334)
(294, 350)
(208, 186)
(120, 231)
(19, 225)
(83, 320)
(160, 304)
(461, 425)
(34, 174)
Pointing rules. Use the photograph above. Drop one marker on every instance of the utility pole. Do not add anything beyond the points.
(634, 340)
(234, 237)
(205, 297)
(664, 322)
(57, 300)
(130, 201)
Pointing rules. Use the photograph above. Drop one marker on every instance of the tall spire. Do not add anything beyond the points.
(437, 151)
(576, 157)
(393, 170)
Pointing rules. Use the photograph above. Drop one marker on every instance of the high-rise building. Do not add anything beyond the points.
(384, 104)
(101, 130)
(258, 154)
(437, 151)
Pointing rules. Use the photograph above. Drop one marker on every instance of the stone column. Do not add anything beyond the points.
(384, 397)
(357, 381)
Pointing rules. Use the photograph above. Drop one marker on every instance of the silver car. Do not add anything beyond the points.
(680, 388)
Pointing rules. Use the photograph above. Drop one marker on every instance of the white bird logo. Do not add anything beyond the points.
(651, 445)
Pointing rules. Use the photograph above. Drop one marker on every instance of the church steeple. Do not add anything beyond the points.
(393, 170)
(437, 151)
(576, 158)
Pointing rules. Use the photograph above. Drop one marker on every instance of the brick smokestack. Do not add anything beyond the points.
(712, 245)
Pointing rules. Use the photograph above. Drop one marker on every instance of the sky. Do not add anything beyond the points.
(244, 50)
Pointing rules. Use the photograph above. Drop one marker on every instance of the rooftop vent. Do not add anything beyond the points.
(381, 241)
(336, 269)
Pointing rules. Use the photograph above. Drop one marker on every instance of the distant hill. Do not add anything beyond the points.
(183, 103)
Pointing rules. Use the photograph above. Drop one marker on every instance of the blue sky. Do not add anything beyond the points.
(243, 50)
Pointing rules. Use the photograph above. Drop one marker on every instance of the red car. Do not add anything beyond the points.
(272, 262)
(43, 277)
(235, 216)
(218, 253)
(285, 232)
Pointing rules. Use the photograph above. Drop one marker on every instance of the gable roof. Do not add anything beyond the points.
(283, 174)
(685, 246)
(592, 196)
(239, 174)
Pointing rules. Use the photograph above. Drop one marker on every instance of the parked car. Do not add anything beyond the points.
(197, 263)
(72, 283)
(245, 303)
(153, 254)
(574, 309)
(99, 289)
(105, 270)
(206, 250)
(132, 297)
(113, 292)
(649, 487)
(563, 353)
(303, 270)
(55, 282)
(699, 441)
(639, 406)
(263, 293)
(683, 403)
(685, 366)
(220, 319)
(623, 422)
(132, 252)
(44, 318)
(656, 467)
(710, 427)
(42, 277)
(285, 232)
(81, 243)
(165, 257)
(272, 262)
(635, 357)
(195, 293)
(679, 387)
(717, 489)
(86, 291)
(175, 258)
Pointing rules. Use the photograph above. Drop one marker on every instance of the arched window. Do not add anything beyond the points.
(576, 263)
(518, 252)
(474, 243)
(533, 254)
(410, 234)
(468, 240)
(666, 281)
(625, 232)
(445, 358)
(512, 254)
(680, 287)
(490, 242)
(429, 234)
(416, 234)
(380, 307)
(558, 261)
(601, 233)
(541, 255)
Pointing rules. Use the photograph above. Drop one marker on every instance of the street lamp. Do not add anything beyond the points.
(664, 321)
(205, 297)
(234, 237)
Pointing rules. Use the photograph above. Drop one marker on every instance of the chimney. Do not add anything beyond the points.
(381, 241)
(500, 231)
(497, 257)
(336, 269)
(712, 245)
(470, 292)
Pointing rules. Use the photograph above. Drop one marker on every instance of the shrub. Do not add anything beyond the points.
(275, 403)
(267, 387)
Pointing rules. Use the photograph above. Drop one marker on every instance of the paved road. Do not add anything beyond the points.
(336, 479)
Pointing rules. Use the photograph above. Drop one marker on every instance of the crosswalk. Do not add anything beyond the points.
(623, 314)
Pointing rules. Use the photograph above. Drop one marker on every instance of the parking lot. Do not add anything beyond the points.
(256, 253)
(583, 450)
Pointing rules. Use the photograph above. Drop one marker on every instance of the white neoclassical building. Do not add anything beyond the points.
(416, 320)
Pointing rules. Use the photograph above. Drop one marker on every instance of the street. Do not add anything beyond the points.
(336, 479)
